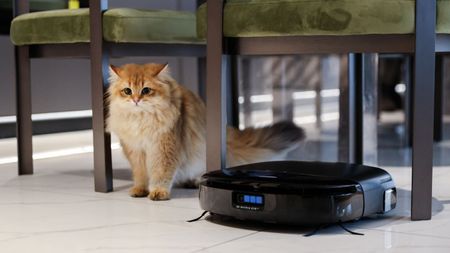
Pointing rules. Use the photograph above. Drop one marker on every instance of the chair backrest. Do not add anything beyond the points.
(200, 2)
(20, 7)
(23, 6)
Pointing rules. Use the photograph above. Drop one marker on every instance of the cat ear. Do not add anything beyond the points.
(163, 69)
(114, 72)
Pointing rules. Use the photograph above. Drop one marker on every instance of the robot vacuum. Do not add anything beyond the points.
(300, 193)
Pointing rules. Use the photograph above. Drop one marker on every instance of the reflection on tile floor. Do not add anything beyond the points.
(56, 210)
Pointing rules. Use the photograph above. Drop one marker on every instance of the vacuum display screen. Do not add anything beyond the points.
(248, 201)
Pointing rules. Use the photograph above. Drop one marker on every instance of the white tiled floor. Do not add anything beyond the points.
(56, 210)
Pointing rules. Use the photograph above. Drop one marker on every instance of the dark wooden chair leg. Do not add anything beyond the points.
(233, 92)
(246, 90)
(201, 73)
(358, 97)
(24, 127)
(344, 132)
(423, 96)
(369, 100)
(23, 107)
(408, 78)
(99, 73)
(350, 146)
(215, 90)
(318, 98)
(439, 99)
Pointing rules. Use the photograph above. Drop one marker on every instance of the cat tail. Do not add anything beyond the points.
(262, 144)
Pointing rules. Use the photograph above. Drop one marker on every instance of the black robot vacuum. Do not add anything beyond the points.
(300, 193)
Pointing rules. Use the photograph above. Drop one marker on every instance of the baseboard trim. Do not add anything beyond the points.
(8, 130)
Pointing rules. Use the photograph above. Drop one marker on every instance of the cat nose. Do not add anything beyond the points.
(136, 100)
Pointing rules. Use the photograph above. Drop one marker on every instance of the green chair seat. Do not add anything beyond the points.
(255, 18)
(119, 25)
(142, 26)
(50, 27)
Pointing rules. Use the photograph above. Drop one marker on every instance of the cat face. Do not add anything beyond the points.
(139, 87)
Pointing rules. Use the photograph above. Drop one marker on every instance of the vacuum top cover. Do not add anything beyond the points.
(295, 192)
(298, 177)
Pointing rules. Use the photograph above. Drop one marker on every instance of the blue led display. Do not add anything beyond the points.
(251, 199)
(259, 200)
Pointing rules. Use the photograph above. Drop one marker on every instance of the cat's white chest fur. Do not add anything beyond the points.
(136, 129)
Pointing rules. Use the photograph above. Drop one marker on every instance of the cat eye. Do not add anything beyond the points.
(127, 91)
(145, 91)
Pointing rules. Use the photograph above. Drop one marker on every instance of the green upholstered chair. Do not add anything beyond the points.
(96, 33)
(361, 28)
(120, 25)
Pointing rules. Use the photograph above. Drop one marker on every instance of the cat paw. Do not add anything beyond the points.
(138, 192)
(159, 194)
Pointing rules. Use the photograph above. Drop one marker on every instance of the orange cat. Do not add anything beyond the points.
(161, 127)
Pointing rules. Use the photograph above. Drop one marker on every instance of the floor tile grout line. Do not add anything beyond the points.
(99, 198)
(227, 241)
(27, 235)
(406, 233)
(370, 229)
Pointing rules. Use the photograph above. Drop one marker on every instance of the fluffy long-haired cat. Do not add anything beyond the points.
(161, 127)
